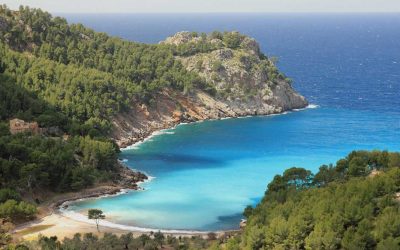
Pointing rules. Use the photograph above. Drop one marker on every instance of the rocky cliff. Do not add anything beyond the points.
(245, 82)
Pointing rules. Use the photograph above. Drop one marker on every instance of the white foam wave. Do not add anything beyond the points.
(242, 117)
(312, 106)
(149, 179)
(149, 138)
(309, 106)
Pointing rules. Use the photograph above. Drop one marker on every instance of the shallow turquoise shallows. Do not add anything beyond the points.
(207, 173)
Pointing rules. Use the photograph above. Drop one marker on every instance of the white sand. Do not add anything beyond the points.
(61, 226)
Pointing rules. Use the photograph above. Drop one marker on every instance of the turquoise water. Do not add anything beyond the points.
(206, 173)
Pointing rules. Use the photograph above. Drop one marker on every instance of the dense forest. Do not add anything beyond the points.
(88, 76)
(351, 205)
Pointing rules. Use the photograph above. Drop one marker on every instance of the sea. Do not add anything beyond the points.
(204, 174)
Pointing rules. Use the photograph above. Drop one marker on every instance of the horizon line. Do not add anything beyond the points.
(244, 12)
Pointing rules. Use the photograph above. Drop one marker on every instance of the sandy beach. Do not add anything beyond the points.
(56, 224)
(61, 226)
(52, 222)
(49, 221)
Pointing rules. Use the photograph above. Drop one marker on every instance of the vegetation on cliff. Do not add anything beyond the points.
(242, 75)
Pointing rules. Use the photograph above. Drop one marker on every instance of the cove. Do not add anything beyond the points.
(206, 173)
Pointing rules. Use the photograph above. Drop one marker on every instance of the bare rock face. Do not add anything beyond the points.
(246, 82)
(130, 179)
(251, 45)
(180, 38)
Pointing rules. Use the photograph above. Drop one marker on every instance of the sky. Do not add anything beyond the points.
(188, 6)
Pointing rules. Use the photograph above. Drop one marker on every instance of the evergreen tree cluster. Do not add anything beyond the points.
(85, 74)
(352, 205)
(153, 241)
(204, 43)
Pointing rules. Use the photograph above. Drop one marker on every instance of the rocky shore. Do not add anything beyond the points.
(127, 180)
(142, 121)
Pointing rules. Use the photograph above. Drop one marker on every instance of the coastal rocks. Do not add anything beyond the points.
(84, 194)
(177, 116)
(224, 54)
(251, 45)
(129, 179)
(126, 179)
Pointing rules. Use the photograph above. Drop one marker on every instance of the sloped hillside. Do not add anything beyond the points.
(110, 87)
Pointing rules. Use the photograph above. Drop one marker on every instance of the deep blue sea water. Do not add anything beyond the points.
(206, 173)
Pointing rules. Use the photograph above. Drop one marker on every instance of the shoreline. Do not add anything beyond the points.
(56, 207)
(154, 132)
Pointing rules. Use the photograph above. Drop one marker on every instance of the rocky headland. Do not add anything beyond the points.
(245, 82)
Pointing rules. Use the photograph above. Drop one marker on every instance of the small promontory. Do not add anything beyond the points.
(240, 78)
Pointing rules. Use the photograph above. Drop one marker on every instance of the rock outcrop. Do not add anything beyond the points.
(130, 179)
(245, 80)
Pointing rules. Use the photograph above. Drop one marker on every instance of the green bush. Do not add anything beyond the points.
(17, 210)
(8, 194)
(232, 39)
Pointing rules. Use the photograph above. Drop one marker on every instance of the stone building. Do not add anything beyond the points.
(20, 126)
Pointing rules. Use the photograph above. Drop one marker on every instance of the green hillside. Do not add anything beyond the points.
(351, 205)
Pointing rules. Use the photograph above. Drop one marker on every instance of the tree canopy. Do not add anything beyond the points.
(350, 205)
(96, 215)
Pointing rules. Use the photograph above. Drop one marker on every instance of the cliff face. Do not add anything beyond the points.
(246, 83)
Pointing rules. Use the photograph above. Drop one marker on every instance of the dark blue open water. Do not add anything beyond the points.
(206, 173)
